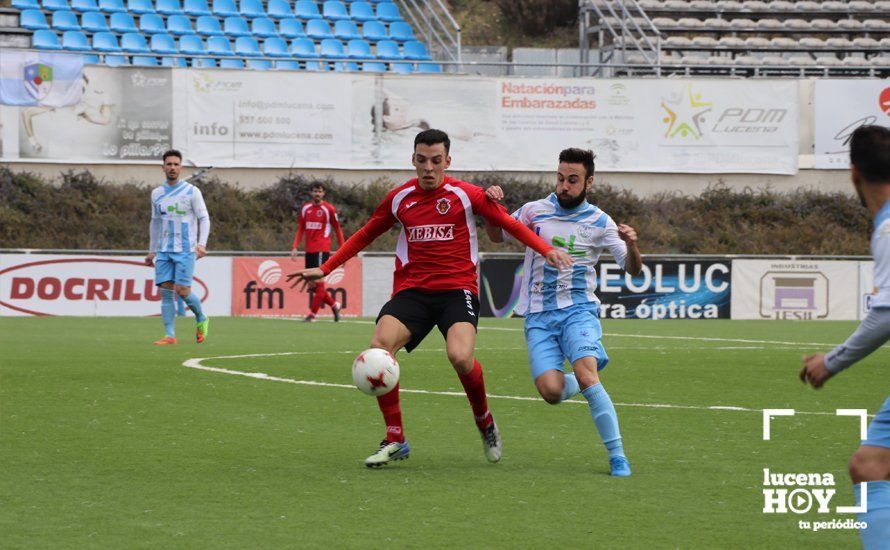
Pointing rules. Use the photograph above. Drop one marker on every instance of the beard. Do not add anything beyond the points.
(570, 202)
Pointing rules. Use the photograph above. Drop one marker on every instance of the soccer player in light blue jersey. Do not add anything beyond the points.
(178, 233)
(561, 307)
(870, 464)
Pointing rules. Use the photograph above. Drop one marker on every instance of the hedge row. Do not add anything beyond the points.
(81, 212)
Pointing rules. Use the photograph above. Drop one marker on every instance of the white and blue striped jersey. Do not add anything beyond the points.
(584, 232)
(880, 249)
(179, 218)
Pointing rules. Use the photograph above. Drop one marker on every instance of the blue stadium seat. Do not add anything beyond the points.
(373, 67)
(374, 31)
(204, 62)
(429, 68)
(208, 25)
(335, 10)
(224, 8)
(247, 46)
(65, 20)
(195, 8)
(318, 29)
(168, 7)
(173, 62)
(346, 30)
(179, 25)
(163, 43)
(93, 21)
(115, 60)
(25, 4)
(75, 40)
(279, 9)
(252, 8)
(219, 46)
(306, 9)
(53, 5)
(359, 49)
(316, 66)
(192, 45)
(236, 26)
(133, 42)
(231, 64)
(401, 68)
(145, 61)
(152, 23)
(122, 23)
(416, 50)
(389, 12)
(283, 65)
(90, 59)
(401, 31)
(275, 47)
(331, 47)
(112, 6)
(45, 39)
(303, 48)
(259, 64)
(291, 28)
(362, 11)
(140, 7)
(388, 49)
(345, 66)
(84, 5)
(33, 20)
(105, 42)
(263, 27)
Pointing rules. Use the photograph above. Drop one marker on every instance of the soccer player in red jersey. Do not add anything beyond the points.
(435, 280)
(317, 220)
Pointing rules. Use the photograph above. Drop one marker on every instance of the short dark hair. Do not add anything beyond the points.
(171, 153)
(317, 185)
(432, 137)
(575, 155)
(870, 153)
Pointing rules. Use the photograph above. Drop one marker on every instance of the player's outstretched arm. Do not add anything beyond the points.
(495, 233)
(305, 276)
(633, 264)
(872, 333)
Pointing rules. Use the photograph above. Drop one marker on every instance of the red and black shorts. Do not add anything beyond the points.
(315, 259)
(420, 311)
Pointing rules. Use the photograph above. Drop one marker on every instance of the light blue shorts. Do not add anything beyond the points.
(175, 266)
(879, 429)
(570, 333)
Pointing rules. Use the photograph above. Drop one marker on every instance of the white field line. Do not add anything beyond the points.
(641, 336)
(196, 363)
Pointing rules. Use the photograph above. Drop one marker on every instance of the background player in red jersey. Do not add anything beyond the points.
(435, 280)
(317, 220)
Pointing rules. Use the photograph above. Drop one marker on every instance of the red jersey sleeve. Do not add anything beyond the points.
(299, 236)
(497, 214)
(381, 220)
(335, 223)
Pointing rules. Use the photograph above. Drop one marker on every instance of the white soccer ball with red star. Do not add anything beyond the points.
(375, 371)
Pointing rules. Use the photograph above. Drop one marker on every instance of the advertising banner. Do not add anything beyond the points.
(259, 288)
(108, 286)
(665, 289)
(798, 290)
(841, 106)
(866, 287)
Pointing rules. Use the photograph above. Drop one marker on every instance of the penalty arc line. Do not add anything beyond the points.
(196, 363)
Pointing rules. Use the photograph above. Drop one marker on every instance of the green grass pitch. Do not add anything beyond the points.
(109, 442)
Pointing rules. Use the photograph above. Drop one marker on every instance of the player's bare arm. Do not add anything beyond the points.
(634, 262)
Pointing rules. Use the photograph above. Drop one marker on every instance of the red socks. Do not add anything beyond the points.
(474, 386)
(392, 414)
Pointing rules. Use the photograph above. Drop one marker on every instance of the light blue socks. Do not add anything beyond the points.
(603, 412)
(168, 311)
(877, 535)
(194, 304)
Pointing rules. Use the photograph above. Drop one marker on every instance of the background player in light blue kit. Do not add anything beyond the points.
(561, 307)
(870, 464)
(178, 233)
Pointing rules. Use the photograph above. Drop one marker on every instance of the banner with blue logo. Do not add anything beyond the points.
(40, 78)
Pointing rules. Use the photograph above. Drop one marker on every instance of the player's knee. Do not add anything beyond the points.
(183, 291)
(865, 466)
(462, 362)
(550, 390)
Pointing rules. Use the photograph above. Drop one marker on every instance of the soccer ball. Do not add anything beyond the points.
(375, 371)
